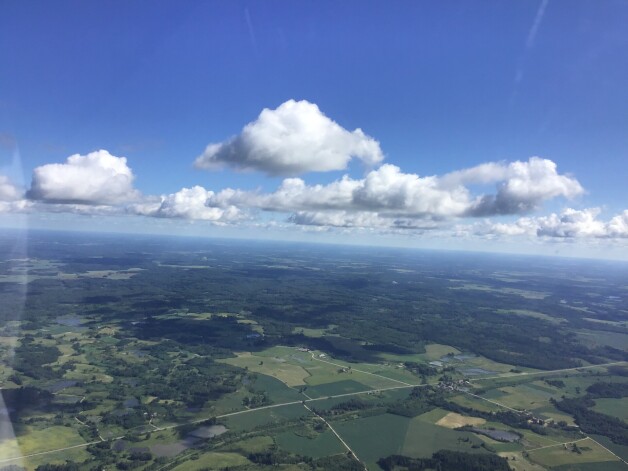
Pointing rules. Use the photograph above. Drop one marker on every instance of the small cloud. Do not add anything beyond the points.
(188, 203)
(95, 178)
(572, 223)
(569, 224)
(293, 139)
(524, 187)
(9, 191)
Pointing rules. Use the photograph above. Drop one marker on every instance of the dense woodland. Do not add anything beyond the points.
(190, 306)
(445, 460)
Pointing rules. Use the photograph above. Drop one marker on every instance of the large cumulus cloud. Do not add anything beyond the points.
(293, 139)
(95, 178)
(389, 192)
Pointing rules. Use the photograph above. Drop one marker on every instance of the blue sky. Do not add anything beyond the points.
(441, 86)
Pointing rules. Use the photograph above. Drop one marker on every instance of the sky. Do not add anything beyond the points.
(488, 125)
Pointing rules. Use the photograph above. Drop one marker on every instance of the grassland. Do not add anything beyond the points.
(322, 444)
(423, 438)
(253, 419)
(374, 437)
(213, 460)
(524, 396)
(179, 340)
(453, 420)
(597, 338)
(33, 440)
(589, 452)
(277, 367)
(613, 407)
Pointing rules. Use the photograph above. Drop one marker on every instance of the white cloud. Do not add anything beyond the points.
(388, 192)
(95, 178)
(361, 219)
(293, 139)
(569, 224)
(17, 206)
(337, 219)
(581, 223)
(8, 191)
(188, 203)
(523, 186)
(618, 225)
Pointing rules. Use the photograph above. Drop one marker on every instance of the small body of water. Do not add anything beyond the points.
(499, 435)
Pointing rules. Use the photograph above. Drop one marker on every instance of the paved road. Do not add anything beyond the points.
(361, 371)
(337, 435)
(370, 391)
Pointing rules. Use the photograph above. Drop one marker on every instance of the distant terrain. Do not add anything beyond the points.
(161, 353)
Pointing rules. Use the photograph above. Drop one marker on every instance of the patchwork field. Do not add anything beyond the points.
(322, 444)
(422, 439)
(586, 451)
(291, 374)
(453, 420)
(374, 437)
(38, 440)
(213, 460)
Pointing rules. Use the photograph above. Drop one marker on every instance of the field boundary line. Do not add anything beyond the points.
(369, 391)
(493, 402)
(558, 444)
(361, 371)
(612, 453)
(338, 436)
(81, 445)
(549, 372)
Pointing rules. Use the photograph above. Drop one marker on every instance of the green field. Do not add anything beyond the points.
(597, 338)
(613, 407)
(523, 396)
(590, 452)
(253, 445)
(339, 387)
(374, 437)
(277, 367)
(277, 391)
(213, 460)
(423, 439)
(250, 420)
(34, 440)
(323, 444)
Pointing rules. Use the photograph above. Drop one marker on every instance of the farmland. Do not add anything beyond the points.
(167, 356)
